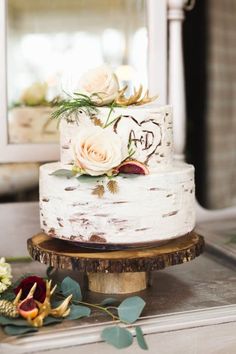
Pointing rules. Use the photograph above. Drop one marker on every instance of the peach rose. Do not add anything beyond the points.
(100, 81)
(97, 150)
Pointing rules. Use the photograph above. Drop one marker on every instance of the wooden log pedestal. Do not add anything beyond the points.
(115, 272)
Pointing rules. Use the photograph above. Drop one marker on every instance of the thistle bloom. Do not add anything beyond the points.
(5, 275)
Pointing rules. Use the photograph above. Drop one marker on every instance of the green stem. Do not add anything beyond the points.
(114, 317)
(105, 309)
(111, 307)
(108, 117)
(108, 124)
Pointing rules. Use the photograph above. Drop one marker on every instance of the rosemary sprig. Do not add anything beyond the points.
(80, 101)
(107, 123)
(110, 112)
(111, 122)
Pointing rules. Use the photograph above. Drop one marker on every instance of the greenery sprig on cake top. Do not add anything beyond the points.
(98, 88)
(33, 302)
(98, 150)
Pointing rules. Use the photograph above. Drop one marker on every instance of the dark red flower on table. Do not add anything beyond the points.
(27, 283)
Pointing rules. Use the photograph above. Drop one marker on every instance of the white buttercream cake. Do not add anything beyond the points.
(122, 184)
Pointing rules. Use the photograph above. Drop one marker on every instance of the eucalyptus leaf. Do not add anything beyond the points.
(140, 338)
(78, 311)
(70, 286)
(108, 301)
(63, 173)
(117, 336)
(130, 309)
(55, 303)
(58, 288)
(89, 179)
(15, 331)
(19, 322)
(50, 320)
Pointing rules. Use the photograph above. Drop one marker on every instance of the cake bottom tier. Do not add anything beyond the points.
(156, 207)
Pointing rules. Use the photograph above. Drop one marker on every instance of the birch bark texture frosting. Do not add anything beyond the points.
(99, 143)
(148, 128)
(148, 208)
(159, 206)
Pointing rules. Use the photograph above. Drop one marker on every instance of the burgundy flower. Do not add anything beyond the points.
(27, 283)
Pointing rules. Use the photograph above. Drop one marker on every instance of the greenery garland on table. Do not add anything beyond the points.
(66, 303)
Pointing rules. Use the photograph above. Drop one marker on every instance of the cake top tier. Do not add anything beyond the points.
(105, 130)
(142, 134)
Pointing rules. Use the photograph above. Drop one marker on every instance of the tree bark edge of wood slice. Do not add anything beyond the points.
(184, 249)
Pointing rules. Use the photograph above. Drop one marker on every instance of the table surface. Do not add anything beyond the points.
(207, 282)
(202, 283)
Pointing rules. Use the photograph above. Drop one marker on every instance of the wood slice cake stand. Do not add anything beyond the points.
(115, 272)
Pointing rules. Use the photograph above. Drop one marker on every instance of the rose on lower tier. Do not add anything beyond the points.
(97, 150)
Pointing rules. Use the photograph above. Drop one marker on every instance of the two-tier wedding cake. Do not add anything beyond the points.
(116, 182)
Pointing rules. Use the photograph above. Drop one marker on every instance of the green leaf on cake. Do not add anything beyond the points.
(63, 173)
(78, 311)
(140, 338)
(70, 286)
(117, 336)
(130, 309)
(89, 179)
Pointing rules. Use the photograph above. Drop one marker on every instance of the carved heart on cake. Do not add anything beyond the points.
(145, 136)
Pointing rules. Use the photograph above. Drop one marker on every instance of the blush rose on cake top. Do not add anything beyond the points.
(97, 149)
